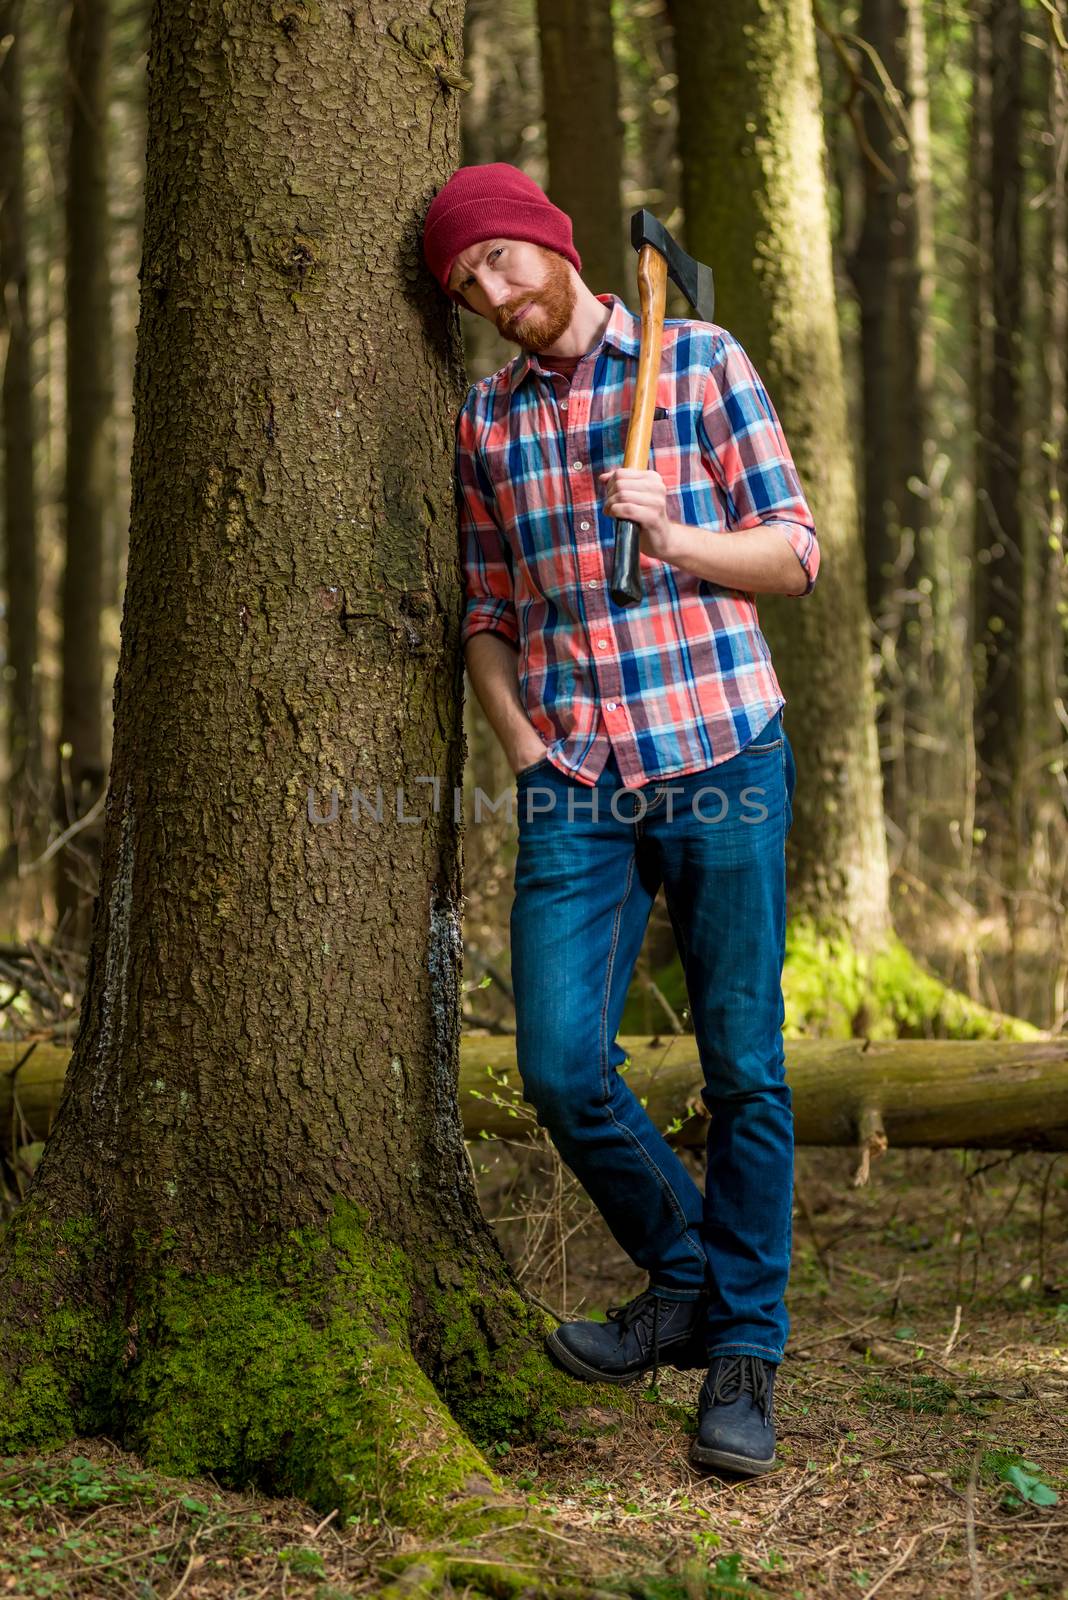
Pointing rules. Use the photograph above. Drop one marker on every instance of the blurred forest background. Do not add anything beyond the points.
(945, 154)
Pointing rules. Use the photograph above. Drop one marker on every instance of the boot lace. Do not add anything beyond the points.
(738, 1375)
(637, 1310)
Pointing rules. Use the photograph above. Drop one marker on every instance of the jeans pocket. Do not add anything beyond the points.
(761, 744)
(523, 771)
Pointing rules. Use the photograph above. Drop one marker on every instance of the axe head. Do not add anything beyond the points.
(692, 277)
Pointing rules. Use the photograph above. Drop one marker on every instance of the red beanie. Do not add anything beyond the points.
(492, 201)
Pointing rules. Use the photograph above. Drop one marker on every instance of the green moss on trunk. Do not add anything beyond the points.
(296, 1373)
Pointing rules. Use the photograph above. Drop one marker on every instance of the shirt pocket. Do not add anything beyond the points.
(665, 454)
(663, 445)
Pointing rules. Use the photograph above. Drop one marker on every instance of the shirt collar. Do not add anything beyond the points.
(623, 332)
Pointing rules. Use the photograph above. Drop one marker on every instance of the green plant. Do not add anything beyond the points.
(1025, 1484)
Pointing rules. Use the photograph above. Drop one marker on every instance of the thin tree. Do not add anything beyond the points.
(89, 489)
(1054, 655)
(253, 1244)
(999, 530)
(871, 267)
(25, 795)
(923, 643)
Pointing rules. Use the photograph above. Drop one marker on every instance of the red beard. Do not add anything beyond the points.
(552, 308)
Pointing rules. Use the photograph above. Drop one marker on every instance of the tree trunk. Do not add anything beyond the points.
(89, 491)
(645, 49)
(760, 135)
(25, 788)
(999, 558)
(929, 735)
(502, 109)
(580, 100)
(871, 268)
(964, 1094)
(1053, 681)
(253, 1245)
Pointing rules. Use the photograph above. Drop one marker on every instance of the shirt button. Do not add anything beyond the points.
(584, 526)
(602, 644)
(576, 466)
(610, 705)
(563, 405)
(592, 584)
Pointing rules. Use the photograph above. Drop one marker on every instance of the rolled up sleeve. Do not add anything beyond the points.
(487, 572)
(746, 450)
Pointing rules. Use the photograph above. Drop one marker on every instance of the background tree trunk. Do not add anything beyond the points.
(501, 121)
(927, 571)
(90, 487)
(25, 796)
(580, 99)
(253, 1244)
(1053, 566)
(760, 134)
(871, 269)
(999, 557)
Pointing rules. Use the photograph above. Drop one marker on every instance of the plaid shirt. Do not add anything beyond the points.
(683, 680)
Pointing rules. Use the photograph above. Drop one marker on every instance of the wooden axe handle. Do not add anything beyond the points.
(626, 585)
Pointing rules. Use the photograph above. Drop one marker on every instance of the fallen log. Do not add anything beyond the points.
(959, 1094)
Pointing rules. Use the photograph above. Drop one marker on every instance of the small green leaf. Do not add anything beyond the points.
(1025, 1477)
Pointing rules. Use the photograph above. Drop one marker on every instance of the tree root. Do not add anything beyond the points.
(296, 1373)
(525, 1572)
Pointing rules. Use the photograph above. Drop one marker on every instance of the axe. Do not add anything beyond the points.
(659, 258)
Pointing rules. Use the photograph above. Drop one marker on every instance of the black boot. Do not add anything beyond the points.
(735, 1416)
(638, 1337)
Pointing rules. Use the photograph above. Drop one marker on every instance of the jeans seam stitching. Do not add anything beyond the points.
(623, 1129)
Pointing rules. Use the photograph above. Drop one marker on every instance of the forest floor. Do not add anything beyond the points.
(922, 1414)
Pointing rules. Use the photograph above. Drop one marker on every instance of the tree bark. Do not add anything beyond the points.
(871, 268)
(929, 734)
(964, 1094)
(89, 489)
(760, 135)
(892, 273)
(253, 1245)
(1053, 665)
(580, 103)
(498, 117)
(999, 556)
(25, 785)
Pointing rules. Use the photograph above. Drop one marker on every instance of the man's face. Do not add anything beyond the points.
(501, 278)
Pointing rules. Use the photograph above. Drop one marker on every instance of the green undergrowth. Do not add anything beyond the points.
(833, 991)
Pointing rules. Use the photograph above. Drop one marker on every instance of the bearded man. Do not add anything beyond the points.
(649, 751)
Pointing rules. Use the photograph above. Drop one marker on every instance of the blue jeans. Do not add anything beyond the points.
(590, 863)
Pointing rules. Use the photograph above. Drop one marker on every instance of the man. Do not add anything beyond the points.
(597, 707)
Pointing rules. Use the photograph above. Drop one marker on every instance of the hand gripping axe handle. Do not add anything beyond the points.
(659, 258)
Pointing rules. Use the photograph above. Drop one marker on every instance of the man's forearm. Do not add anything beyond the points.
(492, 666)
(760, 560)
